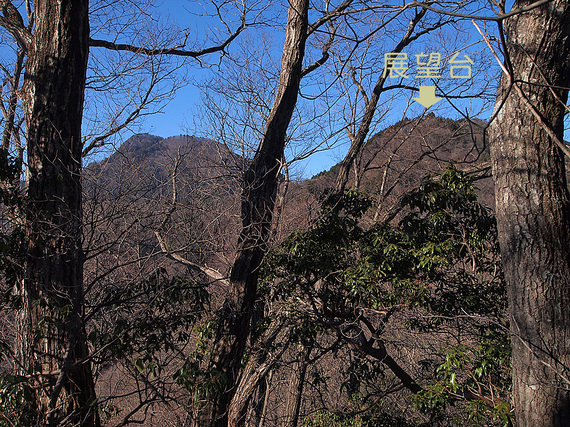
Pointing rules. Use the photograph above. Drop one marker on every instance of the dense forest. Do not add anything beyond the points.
(203, 280)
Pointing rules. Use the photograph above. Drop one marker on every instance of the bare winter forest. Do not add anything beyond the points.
(205, 280)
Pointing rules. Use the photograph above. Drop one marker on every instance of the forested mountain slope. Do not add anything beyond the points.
(160, 208)
(396, 160)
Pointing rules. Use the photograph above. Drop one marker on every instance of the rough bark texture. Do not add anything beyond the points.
(258, 200)
(259, 364)
(533, 211)
(53, 94)
(296, 383)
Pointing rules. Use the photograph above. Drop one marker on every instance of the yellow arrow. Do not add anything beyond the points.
(427, 96)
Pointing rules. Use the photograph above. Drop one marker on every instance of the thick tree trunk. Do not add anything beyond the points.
(256, 405)
(533, 210)
(258, 200)
(53, 92)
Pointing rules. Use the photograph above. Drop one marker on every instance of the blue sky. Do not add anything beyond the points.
(178, 115)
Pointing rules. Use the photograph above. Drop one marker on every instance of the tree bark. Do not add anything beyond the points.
(296, 384)
(258, 200)
(55, 352)
(259, 364)
(533, 209)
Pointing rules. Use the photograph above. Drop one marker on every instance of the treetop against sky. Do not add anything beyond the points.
(450, 44)
(173, 91)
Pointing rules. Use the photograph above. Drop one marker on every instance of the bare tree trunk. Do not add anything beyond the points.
(53, 92)
(9, 127)
(255, 409)
(258, 199)
(260, 363)
(533, 209)
(296, 383)
(263, 415)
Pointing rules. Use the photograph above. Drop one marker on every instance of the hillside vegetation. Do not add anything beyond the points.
(367, 300)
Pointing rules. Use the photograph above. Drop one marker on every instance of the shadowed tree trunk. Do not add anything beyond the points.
(54, 350)
(533, 209)
(258, 199)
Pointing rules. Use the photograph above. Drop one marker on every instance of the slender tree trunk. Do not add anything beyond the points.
(13, 101)
(533, 210)
(260, 363)
(55, 349)
(257, 402)
(296, 384)
(258, 200)
(263, 415)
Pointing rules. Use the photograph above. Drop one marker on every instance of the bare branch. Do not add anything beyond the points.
(497, 18)
(14, 24)
(329, 16)
(177, 51)
(99, 141)
(324, 57)
(210, 272)
(358, 140)
(526, 101)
